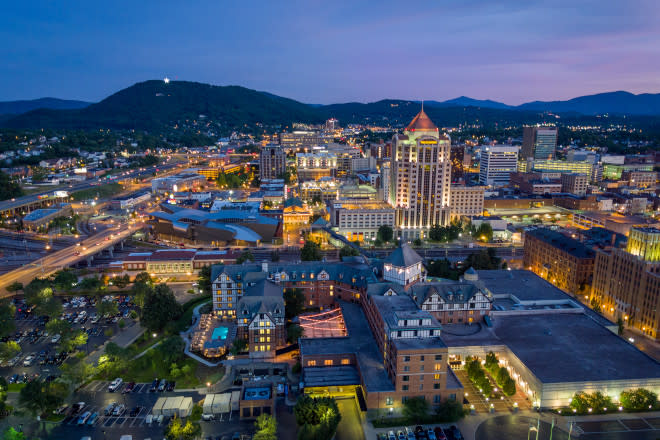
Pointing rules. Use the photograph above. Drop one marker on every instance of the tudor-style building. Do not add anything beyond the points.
(260, 319)
(403, 266)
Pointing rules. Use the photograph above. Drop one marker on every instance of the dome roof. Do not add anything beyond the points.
(421, 122)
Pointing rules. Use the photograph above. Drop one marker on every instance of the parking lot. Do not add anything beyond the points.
(40, 356)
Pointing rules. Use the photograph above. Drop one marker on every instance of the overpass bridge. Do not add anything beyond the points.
(85, 251)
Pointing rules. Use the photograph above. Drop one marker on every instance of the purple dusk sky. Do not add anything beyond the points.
(512, 51)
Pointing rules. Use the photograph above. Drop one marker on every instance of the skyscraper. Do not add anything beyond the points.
(539, 142)
(272, 162)
(420, 175)
(497, 163)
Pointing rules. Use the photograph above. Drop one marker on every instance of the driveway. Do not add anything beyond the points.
(350, 426)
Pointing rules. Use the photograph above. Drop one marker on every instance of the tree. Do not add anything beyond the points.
(64, 279)
(143, 277)
(317, 200)
(58, 327)
(317, 418)
(502, 376)
(415, 409)
(11, 434)
(619, 323)
(9, 187)
(509, 387)
(8, 350)
(14, 287)
(39, 174)
(90, 284)
(40, 397)
(171, 349)
(49, 305)
(76, 372)
(294, 332)
(491, 361)
(121, 281)
(140, 290)
(107, 308)
(33, 288)
(417, 242)
(204, 280)
(310, 251)
(177, 430)
(238, 346)
(348, 251)
(638, 399)
(160, 308)
(484, 232)
(266, 428)
(450, 411)
(385, 233)
(294, 303)
(245, 256)
(7, 315)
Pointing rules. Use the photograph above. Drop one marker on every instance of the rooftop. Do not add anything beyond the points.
(421, 122)
(561, 241)
(403, 256)
(523, 284)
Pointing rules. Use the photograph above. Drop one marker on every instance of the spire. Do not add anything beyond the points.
(421, 122)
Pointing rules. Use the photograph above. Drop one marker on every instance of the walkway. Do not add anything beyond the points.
(123, 338)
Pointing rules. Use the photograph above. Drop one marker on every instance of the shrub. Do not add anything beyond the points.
(638, 399)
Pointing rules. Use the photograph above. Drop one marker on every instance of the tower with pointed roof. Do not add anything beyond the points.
(420, 177)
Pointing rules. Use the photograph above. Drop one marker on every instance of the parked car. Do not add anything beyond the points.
(391, 436)
(62, 409)
(159, 419)
(439, 433)
(93, 419)
(430, 434)
(115, 384)
(84, 417)
(162, 385)
(119, 410)
(154, 385)
(129, 387)
(28, 360)
(135, 411)
(170, 385)
(110, 408)
(401, 436)
(55, 339)
(77, 407)
(148, 419)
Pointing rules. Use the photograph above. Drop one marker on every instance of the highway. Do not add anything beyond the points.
(68, 256)
(7, 205)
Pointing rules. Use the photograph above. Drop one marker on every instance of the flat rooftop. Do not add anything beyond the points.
(572, 348)
(360, 342)
(523, 284)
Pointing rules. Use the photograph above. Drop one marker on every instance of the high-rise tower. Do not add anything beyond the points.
(420, 176)
(539, 142)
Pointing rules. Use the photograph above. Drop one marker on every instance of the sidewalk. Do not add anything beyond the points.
(186, 338)
(123, 338)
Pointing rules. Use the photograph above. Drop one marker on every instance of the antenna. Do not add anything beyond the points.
(422, 105)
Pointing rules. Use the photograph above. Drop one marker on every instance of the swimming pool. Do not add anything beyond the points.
(220, 333)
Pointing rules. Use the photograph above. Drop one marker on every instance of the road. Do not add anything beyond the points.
(66, 257)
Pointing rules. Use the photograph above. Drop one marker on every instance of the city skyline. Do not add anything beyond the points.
(337, 53)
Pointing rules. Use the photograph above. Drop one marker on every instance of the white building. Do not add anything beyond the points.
(403, 266)
(421, 174)
(360, 219)
(497, 163)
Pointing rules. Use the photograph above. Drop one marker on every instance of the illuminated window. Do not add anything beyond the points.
(261, 324)
(327, 362)
(436, 376)
(437, 367)
(267, 331)
(345, 361)
(268, 339)
(311, 363)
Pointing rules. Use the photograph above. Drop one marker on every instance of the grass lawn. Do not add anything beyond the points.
(102, 191)
(15, 387)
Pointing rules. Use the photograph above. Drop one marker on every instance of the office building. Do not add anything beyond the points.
(360, 219)
(627, 282)
(574, 184)
(421, 176)
(466, 201)
(186, 181)
(565, 262)
(497, 163)
(639, 179)
(314, 166)
(539, 142)
(324, 189)
(272, 162)
(302, 140)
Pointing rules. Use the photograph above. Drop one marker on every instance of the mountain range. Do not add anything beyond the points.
(156, 104)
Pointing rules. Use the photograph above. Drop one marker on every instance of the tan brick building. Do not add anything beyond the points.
(466, 201)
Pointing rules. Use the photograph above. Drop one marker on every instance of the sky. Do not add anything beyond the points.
(323, 52)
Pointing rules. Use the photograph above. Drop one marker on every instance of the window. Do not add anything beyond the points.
(311, 363)
(405, 378)
(404, 388)
(421, 386)
(421, 358)
(436, 376)
(389, 401)
(406, 359)
(345, 361)
(327, 362)
(421, 368)
(438, 357)
(437, 398)
(436, 386)
(437, 367)
(406, 368)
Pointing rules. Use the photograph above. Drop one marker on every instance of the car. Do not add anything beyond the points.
(456, 433)
(62, 409)
(135, 411)
(154, 385)
(28, 360)
(170, 385)
(14, 361)
(115, 384)
(129, 387)
(92, 419)
(430, 434)
(411, 434)
(110, 408)
(119, 410)
(401, 436)
(391, 436)
(148, 419)
(236, 436)
(162, 386)
(159, 419)
(95, 319)
(77, 407)
(13, 379)
(55, 339)
(84, 417)
(439, 433)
